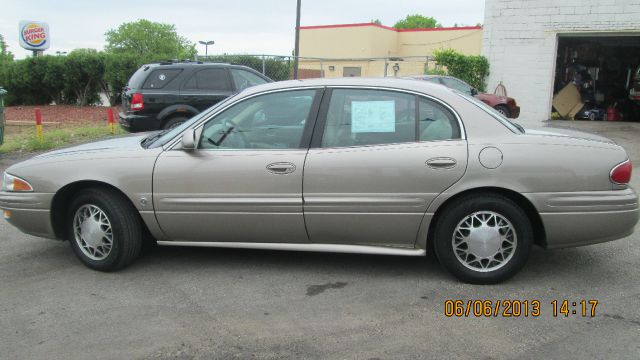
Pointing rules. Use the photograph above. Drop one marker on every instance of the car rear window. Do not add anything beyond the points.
(245, 79)
(160, 78)
(491, 111)
(136, 80)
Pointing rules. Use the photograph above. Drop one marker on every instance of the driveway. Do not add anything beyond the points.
(191, 303)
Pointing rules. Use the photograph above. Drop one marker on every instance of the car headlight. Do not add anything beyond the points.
(14, 183)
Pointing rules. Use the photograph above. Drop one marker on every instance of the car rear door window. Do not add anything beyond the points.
(436, 122)
(215, 79)
(160, 78)
(271, 121)
(245, 79)
(369, 117)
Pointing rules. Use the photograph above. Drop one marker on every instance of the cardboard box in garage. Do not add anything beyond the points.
(568, 101)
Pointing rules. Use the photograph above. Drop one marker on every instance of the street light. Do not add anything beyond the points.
(61, 53)
(206, 46)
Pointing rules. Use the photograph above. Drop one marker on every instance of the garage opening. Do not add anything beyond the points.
(597, 78)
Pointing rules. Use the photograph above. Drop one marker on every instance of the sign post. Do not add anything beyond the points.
(39, 125)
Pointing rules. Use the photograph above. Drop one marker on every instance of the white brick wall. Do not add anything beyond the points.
(520, 39)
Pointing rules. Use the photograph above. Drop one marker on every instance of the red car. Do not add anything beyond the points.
(503, 104)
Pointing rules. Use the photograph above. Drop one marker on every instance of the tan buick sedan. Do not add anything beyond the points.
(374, 166)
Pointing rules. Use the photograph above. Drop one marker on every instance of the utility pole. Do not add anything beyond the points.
(297, 48)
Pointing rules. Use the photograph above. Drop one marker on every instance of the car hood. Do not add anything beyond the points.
(126, 142)
(568, 133)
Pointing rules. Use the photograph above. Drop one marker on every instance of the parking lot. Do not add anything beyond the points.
(184, 303)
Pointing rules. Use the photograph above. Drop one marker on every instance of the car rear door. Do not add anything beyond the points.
(378, 158)
(244, 182)
(206, 87)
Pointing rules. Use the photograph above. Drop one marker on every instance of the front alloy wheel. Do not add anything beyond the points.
(105, 229)
(92, 232)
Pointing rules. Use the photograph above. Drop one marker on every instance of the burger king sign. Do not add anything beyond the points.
(34, 35)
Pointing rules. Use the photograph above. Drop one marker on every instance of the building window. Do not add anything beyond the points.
(351, 71)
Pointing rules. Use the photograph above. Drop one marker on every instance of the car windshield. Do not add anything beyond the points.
(516, 128)
(164, 137)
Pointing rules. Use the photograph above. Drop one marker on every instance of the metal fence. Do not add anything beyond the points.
(280, 67)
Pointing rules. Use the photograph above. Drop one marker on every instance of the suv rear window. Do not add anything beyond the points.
(136, 80)
(160, 78)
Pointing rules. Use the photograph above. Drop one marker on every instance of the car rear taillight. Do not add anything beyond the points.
(621, 173)
(136, 102)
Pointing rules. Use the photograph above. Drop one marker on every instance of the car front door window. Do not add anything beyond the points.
(271, 121)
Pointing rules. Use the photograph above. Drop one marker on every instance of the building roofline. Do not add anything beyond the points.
(387, 27)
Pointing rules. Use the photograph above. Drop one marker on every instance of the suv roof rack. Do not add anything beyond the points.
(186, 61)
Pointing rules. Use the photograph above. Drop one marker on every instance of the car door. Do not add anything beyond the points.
(244, 181)
(206, 87)
(378, 158)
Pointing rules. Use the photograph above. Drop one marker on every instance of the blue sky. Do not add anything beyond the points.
(244, 27)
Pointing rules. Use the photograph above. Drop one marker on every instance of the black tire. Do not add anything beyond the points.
(504, 110)
(173, 122)
(126, 225)
(459, 210)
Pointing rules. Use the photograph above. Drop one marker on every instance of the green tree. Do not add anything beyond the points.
(84, 72)
(471, 68)
(5, 55)
(118, 68)
(417, 21)
(149, 41)
(376, 21)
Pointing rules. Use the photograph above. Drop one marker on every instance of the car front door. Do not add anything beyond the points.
(206, 87)
(378, 158)
(244, 181)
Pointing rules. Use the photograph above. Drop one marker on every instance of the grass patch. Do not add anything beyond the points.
(26, 141)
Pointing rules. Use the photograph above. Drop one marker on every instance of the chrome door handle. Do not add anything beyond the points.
(441, 163)
(281, 168)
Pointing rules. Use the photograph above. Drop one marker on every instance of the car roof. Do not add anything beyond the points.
(388, 82)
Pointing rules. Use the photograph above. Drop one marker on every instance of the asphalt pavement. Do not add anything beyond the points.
(193, 303)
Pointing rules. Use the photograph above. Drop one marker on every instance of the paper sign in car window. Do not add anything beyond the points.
(373, 116)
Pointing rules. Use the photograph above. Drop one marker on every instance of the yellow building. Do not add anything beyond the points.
(369, 49)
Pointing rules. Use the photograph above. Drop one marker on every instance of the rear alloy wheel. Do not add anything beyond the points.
(503, 110)
(105, 230)
(483, 239)
(173, 122)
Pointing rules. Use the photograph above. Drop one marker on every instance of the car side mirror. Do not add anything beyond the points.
(474, 91)
(189, 140)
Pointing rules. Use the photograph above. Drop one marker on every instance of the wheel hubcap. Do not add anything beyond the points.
(92, 232)
(484, 241)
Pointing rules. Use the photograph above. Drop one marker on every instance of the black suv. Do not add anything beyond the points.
(164, 95)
